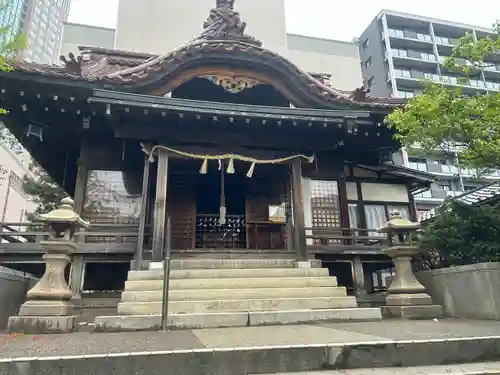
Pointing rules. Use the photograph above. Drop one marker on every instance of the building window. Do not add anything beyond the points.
(432, 77)
(442, 40)
(405, 94)
(366, 43)
(113, 197)
(321, 206)
(476, 83)
(399, 52)
(378, 214)
(371, 81)
(368, 62)
(445, 185)
(450, 80)
(418, 164)
(428, 56)
(397, 33)
(402, 73)
(424, 37)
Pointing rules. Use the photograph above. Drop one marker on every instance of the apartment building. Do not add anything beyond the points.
(397, 52)
(42, 23)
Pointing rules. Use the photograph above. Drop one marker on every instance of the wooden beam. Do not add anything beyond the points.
(278, 138)
(299, 228)
(412, 206)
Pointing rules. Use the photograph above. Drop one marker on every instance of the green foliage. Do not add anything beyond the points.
(461, 234)
(10, 43)
(44, 191)
(443, 117)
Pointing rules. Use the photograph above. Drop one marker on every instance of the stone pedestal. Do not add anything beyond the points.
(406, 297)
(48, 309)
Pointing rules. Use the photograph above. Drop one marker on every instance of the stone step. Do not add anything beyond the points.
(228, 273)
(244, 305)
(485, 368)
(184, 264)
(236, 319)
(233, 283)
(233, 294)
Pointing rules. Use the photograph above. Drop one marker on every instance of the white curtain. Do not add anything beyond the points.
(353, 217)
(375, 218)
(405, 210)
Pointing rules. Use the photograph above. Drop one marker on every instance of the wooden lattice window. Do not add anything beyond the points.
(325, 207)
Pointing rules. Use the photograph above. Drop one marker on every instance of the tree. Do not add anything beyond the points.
(445, 118)
(11, 43)
(44, 191)
(461, 234)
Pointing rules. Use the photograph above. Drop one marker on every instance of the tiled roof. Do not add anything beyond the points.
(223, 39)
(487, 193)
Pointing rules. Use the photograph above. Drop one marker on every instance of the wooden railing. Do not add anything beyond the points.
(122, 238)
(98, 238)
(337, 239)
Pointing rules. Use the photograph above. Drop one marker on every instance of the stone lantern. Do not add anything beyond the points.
(48, 309)
(406, 297)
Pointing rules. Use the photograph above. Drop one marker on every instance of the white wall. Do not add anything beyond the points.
(159, 26)
(75, 35)
(13, 201)
(317, 55)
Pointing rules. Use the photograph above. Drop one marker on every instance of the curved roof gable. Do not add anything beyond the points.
(222, 49)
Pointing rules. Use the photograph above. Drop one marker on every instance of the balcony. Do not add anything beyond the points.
(413, 59)
(432, 195)
(407, 38)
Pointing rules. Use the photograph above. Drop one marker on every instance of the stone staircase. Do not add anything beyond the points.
(234, 292)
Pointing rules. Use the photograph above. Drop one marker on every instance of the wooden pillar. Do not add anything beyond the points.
(76, 275)
(80, 188)
(359, 277)
(77, 263)
(160, 213)
(413, 206)
(299, 227)
(142, 219)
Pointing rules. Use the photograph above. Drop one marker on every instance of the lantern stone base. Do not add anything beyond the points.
(41, 324)
(46, 308)
(37, 316)
(407, 298)
(412, 312)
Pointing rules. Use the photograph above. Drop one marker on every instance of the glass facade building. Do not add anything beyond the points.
(42, 22)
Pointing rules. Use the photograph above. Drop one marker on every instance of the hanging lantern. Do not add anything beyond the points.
(34, 130)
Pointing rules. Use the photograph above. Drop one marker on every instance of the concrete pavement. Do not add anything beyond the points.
(18, 345)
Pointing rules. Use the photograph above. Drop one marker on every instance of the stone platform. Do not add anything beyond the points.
(394, 346)
(231, 293)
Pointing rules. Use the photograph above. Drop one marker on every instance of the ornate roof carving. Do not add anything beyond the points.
(223, 23)
(222, 43)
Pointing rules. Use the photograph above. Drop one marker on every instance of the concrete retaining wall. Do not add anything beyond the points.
(13, 288)
(471, 292)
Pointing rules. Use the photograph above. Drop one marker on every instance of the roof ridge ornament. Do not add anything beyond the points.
(223, 23)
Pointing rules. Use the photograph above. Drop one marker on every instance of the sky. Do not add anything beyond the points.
(341, 20)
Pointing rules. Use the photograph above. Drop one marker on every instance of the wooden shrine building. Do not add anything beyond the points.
(247, 154)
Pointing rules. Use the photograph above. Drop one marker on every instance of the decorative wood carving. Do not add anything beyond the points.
(223, 23)
(233, 84)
